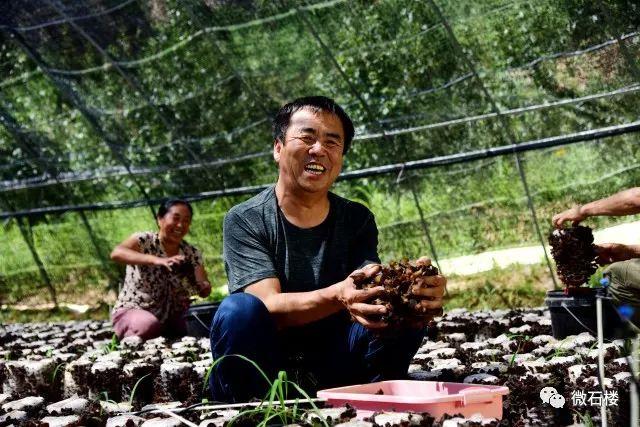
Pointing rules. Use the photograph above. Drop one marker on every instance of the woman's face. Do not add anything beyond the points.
(174, 225)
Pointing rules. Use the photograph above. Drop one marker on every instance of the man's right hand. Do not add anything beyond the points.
(608, 253)
(354, 299)
(575, 215)
(168, 263)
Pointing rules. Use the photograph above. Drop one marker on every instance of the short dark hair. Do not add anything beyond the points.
(316, 103)
(168, 204)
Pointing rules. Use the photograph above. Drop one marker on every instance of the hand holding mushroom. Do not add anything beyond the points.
(411, 292)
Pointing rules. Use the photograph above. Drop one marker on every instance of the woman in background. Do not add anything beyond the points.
(163, 271)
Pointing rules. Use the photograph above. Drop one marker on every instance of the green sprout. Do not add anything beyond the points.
(111, 346)
(135, 388)
(55, 372)
(273, 406)
(513, 357)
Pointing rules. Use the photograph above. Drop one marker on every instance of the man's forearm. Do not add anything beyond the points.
(626, 202)
(300, 308)
(634, 251)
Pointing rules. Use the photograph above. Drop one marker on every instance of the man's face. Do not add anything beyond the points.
(311, 156)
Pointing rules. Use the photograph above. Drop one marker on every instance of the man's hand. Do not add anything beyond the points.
(168, 263)
(575, 215)
(354, 299)
(430, 290)
(608, 253)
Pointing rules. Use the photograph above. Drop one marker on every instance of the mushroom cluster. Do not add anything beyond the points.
(573, 250)
(398, 280)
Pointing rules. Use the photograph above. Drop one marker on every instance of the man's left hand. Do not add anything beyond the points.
(430, 290)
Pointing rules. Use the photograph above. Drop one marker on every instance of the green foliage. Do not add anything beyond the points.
(509, 288)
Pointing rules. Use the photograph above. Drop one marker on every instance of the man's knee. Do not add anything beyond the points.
(242, 317)
(625, 281)
(241, 310)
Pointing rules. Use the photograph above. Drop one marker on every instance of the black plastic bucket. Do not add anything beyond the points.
(199, 318)
(574, 314)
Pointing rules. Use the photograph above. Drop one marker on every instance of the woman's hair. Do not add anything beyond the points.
(168, 204)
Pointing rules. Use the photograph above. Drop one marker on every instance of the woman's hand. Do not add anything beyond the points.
(168, 263)
(204, 288)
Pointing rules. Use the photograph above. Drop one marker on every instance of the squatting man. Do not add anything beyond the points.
(290, 253)
(623, 260)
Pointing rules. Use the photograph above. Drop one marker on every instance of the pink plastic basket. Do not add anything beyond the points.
(436, 398)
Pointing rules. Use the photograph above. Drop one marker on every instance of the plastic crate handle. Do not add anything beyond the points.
(476, 396)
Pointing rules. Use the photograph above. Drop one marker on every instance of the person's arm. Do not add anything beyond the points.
(202, 281)
(613, 252)
(626, 202)
(128, 252)
(299, 308)
(249, 263)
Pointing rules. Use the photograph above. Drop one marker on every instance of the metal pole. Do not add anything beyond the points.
(425, 226)
(506, 129)
(34, 253)
(603, 407)
(635, 369)
(113, 281)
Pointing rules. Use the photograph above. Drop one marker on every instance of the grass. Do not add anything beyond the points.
(516, 286)
(462, 215)
(512, 287)
(135, 388)
(54, 375)
(61, 314)
(273, 408)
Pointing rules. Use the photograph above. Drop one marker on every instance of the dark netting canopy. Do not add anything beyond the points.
(475, 120)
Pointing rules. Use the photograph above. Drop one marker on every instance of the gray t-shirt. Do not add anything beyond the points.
(260, 243)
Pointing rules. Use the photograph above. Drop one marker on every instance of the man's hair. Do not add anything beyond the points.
(315, 103)
(168, 204)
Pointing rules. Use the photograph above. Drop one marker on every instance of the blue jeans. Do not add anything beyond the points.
(330, 352)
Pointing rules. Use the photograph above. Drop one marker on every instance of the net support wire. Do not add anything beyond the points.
(506, 129)
(132, 81)
(27, 142)
(67, 92)
(369, 112)
(555, 141)
(423, 222)
(10, 185)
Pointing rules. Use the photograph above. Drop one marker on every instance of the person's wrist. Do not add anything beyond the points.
(336, 293)
(582, 212)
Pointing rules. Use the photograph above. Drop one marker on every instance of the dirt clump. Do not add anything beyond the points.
(573, 250)
(399, 279)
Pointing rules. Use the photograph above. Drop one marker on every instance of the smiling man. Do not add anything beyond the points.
(289, 254)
